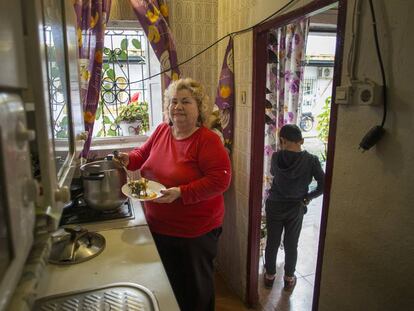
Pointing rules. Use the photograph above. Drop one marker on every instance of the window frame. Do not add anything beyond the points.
(156, 109)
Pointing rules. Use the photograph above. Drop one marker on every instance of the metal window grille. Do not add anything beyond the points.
(125, 61)
(57, 88)
(309, 90)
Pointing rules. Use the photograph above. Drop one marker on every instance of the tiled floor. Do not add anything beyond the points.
(276, 298)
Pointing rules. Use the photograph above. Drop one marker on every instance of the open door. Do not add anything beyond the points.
(262, 35)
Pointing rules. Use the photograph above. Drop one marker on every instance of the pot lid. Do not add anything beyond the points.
(77, 245)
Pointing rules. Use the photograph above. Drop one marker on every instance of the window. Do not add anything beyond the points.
(318, 72)
(56, 76)
(128, 58)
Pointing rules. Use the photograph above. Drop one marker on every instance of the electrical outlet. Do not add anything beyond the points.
(364, 92)
(367, 93)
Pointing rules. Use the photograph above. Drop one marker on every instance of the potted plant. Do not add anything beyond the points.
(133, 119)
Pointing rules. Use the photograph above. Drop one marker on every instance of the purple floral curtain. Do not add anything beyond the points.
(92, 17)
(163, 7)
(225, 96)
(286, 55)
(153, 18)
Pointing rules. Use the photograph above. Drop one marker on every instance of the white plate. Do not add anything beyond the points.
(152, 186)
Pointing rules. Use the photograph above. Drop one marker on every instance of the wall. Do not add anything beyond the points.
(369, 253)
(369, 243)
(194, 25)
(232, 16)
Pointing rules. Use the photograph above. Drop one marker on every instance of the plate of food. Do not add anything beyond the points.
(142, 189)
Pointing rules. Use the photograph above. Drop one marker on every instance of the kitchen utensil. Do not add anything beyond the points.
(102, 182)
(115, 158)
(84, 246)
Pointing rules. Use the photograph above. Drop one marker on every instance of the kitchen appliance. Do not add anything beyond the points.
(29, 31)
(78, 212)
(102, 182)
(38, 49)
(52, 99)
(17, 188)
(17, 194)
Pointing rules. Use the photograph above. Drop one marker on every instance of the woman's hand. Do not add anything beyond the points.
(122, 157)
(169, 195)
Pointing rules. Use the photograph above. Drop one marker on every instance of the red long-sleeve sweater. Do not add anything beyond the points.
(199, 165)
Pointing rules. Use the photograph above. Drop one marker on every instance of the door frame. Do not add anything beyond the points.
(257, 139)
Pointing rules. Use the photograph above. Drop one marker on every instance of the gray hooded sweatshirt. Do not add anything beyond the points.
(293, 172)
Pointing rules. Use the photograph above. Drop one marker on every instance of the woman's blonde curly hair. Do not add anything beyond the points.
(198, 93)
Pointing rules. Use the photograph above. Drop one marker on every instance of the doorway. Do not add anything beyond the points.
(326, 21)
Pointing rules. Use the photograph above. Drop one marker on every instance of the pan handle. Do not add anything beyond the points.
(94, 177)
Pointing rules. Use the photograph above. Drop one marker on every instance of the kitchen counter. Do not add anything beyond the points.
(130, 256)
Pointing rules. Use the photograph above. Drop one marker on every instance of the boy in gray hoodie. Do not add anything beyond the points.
(292, 170)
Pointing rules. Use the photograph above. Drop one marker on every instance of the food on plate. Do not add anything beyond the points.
(139, 189)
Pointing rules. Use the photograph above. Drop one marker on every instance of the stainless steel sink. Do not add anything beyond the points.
(119, 296)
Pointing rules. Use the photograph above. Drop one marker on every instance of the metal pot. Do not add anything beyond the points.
(102, 182)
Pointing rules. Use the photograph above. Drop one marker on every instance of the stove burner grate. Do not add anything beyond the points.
(78, 212)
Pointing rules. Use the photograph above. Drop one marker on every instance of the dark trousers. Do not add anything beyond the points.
(279, 216)
(189, 266)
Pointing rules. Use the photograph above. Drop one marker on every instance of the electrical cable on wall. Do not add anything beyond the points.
(377, 132)
(354, 41)
(218, 41)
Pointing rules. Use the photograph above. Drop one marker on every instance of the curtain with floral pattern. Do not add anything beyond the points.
(225, 96)
(92, 17)
(153, 18)
(286, 56)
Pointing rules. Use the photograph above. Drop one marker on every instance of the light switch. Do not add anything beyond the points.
(342, 94)
(243, 97)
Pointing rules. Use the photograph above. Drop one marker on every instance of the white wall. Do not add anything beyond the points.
(369, 254)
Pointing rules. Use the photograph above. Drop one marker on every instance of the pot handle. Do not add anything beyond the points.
(94, 177)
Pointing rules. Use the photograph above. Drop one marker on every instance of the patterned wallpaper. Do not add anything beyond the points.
(194, 25)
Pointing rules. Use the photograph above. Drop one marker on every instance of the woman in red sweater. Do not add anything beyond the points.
(192, 163)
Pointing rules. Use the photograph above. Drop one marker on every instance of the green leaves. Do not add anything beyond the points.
(124, 44)
(323, 124)
(111, 74)
(136, 43)
(63, 125)
(135, 111)
(111, 132)
(123, 55)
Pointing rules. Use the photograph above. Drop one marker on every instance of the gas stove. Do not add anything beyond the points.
(78, 213)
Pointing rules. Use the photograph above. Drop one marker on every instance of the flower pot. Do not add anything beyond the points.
(130, 128)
